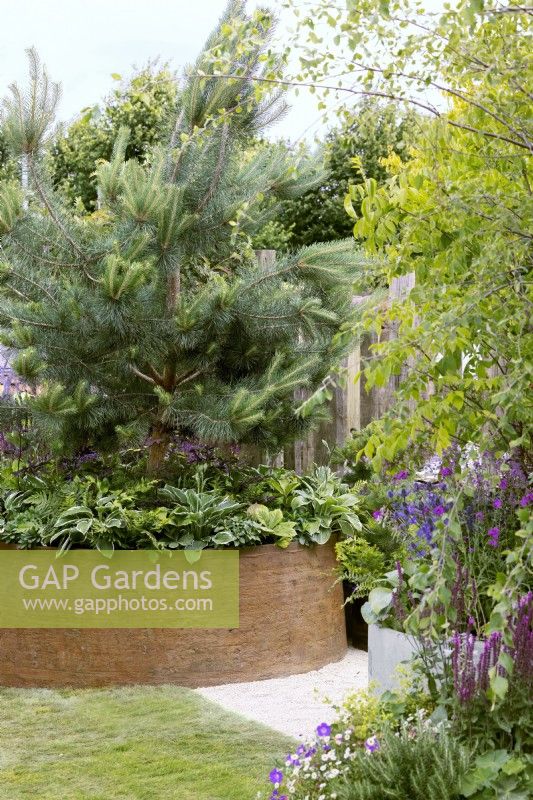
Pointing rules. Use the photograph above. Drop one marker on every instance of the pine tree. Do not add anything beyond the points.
(152, 317)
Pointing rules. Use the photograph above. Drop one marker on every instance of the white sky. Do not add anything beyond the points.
(83, 41)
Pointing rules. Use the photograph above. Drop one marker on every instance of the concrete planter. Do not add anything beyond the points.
(291, 621)
(387, 649)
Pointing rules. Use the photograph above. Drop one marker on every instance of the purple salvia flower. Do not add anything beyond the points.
(488, 659)
(522, 631)
(494, 536)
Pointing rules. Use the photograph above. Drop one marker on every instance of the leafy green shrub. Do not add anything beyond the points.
(414, 764)
(318, 768)
(499, 775)
(106, 503)
(361, 563)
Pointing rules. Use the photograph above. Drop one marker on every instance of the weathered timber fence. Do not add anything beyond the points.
(352, 406)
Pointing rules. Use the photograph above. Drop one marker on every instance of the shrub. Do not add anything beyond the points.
(415, 764)
(202, 502)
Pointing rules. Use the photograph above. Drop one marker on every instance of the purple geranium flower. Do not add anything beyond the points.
(439, 510)
(526, 499)
(445, 471)
(378, 513)
(497, 503)
(371, 745)
(276, 776)
(323, 729)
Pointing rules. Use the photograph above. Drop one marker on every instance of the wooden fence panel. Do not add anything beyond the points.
(352, 407)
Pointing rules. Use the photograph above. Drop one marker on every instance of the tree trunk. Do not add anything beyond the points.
(157, 450)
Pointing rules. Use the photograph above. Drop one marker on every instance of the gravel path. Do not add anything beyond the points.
(294, 705)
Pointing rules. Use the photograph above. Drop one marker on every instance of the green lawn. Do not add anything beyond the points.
(129, 744)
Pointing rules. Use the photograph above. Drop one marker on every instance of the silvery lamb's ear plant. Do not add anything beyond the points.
(152, 317)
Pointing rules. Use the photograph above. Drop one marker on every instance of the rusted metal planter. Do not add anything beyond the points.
(291, 621)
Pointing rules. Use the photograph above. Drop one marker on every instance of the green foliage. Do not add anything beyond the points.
(366, 714)
(363, 564)
(272, 523)
(197, 514)
(352, 455)
(27, 121)
(10, 211)
(107, 504)
(419, 765)
(465, 579)
(457, 214)
(323, 506)
(8, 166)
(104, 522)
(322, 766)
(367, 135)
(152, 317)
(499, 775)
(144, 105)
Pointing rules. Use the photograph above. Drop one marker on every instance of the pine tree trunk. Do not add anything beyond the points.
(157, 451)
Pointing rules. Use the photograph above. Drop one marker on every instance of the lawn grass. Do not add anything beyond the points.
(156, 743)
